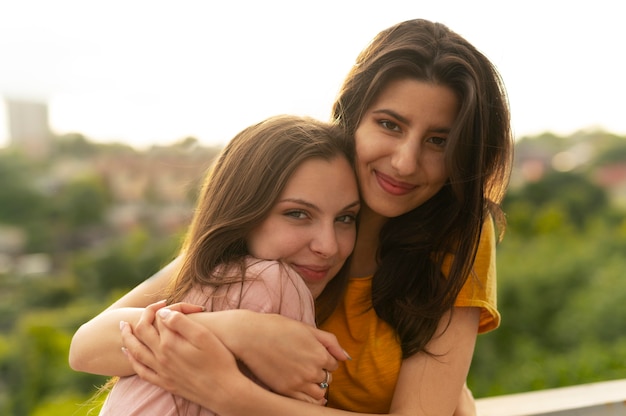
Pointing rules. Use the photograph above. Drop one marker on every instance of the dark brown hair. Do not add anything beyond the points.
(409, 290)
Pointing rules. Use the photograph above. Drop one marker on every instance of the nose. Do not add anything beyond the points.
(324, 243)
(405, 157)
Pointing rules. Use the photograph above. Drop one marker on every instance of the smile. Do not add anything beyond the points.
(311, 273)
(392, 186)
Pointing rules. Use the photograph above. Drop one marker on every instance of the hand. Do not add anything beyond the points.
(287, 355)
(144, 340)
(467, 404)
(197, 367)
(145, 329)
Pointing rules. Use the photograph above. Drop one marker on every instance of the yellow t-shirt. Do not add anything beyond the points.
(367, 382)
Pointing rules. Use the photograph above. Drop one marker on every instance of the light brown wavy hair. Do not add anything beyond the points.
(240, 190)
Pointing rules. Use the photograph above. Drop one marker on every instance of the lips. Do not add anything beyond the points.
(393, 186)
(312, 273)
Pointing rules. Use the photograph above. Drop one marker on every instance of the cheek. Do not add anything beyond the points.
(362, 146)
(437, 172)
(346, 244)
(263, 244)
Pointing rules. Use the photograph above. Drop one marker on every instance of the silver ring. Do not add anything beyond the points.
(324, 384)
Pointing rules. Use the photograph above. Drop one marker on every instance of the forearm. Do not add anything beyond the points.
(432, 384)
(225, 399)
(96, 346)
(227, 325)
(188, 360)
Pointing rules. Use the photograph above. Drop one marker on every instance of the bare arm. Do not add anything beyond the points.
(431, 385)
(96, 345)
(426, 386)
(285, 354)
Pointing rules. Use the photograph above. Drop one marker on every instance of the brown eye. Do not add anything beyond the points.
(297, 214)
(389, 125)
(347, 219)
(438, 141)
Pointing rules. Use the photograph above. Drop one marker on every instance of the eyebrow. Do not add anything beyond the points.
(405, 120)
(313, 206)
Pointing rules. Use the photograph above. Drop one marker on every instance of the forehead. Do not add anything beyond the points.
(323, 180)
(316, 170)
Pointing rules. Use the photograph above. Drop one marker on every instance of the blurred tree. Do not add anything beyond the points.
(20, 201)
(565, 197)
(561, 296)
(83, 202)
(123, 264)
(74, 144)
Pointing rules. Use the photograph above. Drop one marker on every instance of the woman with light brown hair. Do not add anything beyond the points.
(274, 223)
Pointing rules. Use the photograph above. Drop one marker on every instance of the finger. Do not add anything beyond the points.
(146, 373)
(145, 329)
(157, 305)
(332, 345)
(327, 377)
(311, 392)
(140, 369)
(310, 399)
(184, 327)
(325, 380)
(186, 308)
(135, 348)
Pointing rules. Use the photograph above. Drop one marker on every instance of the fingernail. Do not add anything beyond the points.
(122, 325)
(124, 350)
(347, 355)
(164, 313)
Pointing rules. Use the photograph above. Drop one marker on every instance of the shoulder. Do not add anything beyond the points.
(486, 253)
(279, 283)
(480, 289)
(272, 272)
(275, 275)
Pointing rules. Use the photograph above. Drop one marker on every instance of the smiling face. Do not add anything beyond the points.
(400, 145)
(311, 226)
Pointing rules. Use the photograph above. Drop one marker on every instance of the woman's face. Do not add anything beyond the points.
(312, 225)
(400, 145)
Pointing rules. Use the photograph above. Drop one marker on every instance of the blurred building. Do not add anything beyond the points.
(29, 129)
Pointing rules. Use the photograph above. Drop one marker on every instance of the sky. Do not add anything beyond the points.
(146, 72)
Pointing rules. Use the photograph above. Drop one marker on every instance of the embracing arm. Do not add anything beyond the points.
(427, 385)
(96, 345)
(430, 385)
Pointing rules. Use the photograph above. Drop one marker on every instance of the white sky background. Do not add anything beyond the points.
(152, 71)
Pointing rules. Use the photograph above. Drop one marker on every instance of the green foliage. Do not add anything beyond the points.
(561, 296)
(67, 405)
(559, 198)
(123, 264)
(83, 202)
(20, 201)
(36, 364)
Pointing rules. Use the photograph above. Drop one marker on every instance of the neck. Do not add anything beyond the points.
(363, 261)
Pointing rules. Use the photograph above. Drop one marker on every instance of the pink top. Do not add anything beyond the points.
(270, 287)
